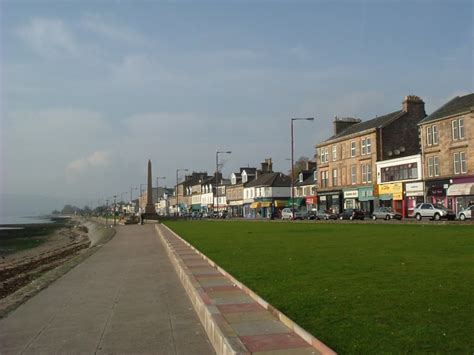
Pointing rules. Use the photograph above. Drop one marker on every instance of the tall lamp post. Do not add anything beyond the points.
(293, 164)
(115, 208)
(217, 173)
(157, 190)
(177, 195)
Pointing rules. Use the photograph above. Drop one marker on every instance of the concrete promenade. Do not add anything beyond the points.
(125, 298)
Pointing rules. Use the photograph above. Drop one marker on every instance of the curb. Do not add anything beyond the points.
(224, 344)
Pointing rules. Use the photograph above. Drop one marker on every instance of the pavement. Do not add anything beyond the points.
(125, 298)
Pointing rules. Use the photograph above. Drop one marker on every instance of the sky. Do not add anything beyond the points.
(90, 90)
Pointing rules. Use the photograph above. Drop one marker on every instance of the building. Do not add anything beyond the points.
(184, 192)
(447, 140)
(304, 190)
(235, 191)
(401, 179)
(346, 161)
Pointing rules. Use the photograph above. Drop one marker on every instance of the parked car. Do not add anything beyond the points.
(386, 213)
(322, 215)
(465, 213)
(352, 213)
(433, 211)
(286, 214)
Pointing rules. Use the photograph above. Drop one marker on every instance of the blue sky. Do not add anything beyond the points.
(92, 89)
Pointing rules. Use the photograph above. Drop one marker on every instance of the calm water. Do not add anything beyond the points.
(23, 220)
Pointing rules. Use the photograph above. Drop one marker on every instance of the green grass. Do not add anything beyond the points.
(360, 288)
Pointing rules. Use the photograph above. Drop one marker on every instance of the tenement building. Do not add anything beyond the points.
(448, 153)
(347, 160)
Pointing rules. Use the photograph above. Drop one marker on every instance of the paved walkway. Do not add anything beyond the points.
(125, 298)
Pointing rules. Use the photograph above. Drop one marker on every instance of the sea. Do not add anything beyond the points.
(19, 220)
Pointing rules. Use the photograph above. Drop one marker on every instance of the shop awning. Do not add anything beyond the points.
(266, 204)
(255, 205)
(461, 189)
(279, 203)
(298, 202)
(385, 197)
(196, 207)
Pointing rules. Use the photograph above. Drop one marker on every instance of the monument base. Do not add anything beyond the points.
(150, 216)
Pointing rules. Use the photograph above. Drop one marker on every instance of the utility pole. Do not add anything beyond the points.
(115, 208)
(106, 211)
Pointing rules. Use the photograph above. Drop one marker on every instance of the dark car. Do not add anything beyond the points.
(352, 213)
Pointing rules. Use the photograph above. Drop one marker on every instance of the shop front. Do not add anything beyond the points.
(236, 209)
(330, 201)
(461, 193)
(391, 195)
(311, 203)
(414, 194)
(437, 192)
(366, 199)
(351, 198)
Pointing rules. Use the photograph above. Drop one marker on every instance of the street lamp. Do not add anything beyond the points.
(115, 208)
(177, 195)
(217, 172)
(292, 164)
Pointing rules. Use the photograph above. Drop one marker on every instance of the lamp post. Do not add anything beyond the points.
(217, 173)
(292, 164)
(157, 190)
(106, 211)
(177, 195)
(115, 208)
(131, 198)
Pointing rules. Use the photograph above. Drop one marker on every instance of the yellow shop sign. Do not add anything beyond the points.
(395, 189)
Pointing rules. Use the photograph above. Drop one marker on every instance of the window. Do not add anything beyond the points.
(457, 128)
(334, 153)
(429, 135)
(353, 149)
(324, 155)
(460, 164)
(363, 147)
(354, 174)
(324, 178)
(435, 135)
(334, 177)
(399, 172)
(369, 146)
(430, 167)
(369, 173)
(364, 173)
(462, 158)
(436, 165)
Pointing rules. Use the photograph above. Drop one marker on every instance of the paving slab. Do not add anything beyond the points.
(125, 298)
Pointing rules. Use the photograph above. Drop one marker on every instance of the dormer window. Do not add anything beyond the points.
(301, 177)
(244, 177)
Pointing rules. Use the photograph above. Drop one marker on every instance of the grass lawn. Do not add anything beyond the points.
(360, 288)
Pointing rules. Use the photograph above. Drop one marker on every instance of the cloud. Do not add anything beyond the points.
(113, 32)
(48, 37)
(95, 160)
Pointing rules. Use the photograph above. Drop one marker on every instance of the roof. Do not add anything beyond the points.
(271, 179)
(459, 104)
(308, 181)
(376, 122)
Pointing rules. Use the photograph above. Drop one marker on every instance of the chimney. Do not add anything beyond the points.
(267, 166)
(414, 105)
(342, 123)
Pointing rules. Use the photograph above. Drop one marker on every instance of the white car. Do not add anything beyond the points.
(286, 214)
(465, 213)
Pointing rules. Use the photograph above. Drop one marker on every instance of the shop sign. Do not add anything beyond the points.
(414, 189)
(311, 200)
(322, 198)
(397, 196)
(351, 194)
(396, 188)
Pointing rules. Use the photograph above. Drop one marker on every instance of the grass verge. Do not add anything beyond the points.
(365, 288)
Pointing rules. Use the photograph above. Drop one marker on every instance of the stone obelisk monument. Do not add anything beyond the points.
(149, 208)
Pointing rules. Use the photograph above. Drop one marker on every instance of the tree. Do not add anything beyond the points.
(300, 164)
